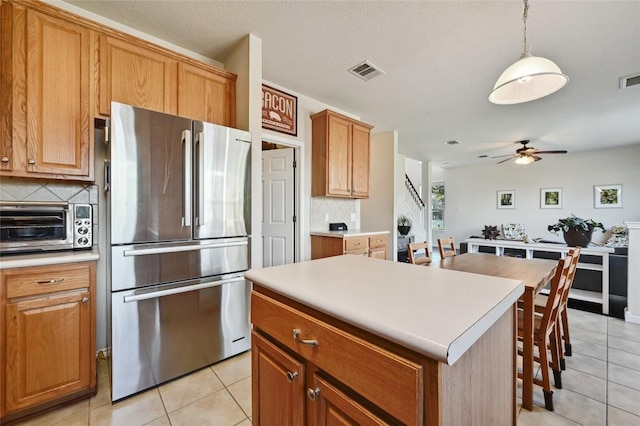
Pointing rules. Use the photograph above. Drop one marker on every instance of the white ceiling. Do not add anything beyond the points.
(441, 60)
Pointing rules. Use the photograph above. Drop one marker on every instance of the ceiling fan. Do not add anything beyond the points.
(526, 155)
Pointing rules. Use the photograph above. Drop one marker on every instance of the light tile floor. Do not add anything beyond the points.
(601, 388)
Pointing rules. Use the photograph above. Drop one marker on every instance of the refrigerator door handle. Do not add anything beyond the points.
(188, 173)
(200, 181)
(186, 289)
(160, 250)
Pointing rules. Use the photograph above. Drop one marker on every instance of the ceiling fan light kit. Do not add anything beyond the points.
(524, 160)
(529, 78)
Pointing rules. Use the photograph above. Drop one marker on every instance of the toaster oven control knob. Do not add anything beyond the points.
(78, 222)
(83, 241)
(86, 222)
(83, 230)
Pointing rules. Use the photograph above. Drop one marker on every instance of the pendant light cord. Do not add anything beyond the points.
(525, 14)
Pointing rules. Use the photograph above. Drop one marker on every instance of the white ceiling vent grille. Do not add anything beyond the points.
(366, 70)
(630, 80)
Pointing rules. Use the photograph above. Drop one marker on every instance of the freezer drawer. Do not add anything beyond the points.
(163, 332)
(150, 264)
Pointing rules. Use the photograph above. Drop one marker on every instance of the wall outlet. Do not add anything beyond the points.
(326, 217)
(353, 217)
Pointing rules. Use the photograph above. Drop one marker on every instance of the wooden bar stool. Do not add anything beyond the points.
(412, 248)
(545, 332)
(444, 250)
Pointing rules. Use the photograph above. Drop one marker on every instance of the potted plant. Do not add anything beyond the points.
(404, 224)
(576, 231)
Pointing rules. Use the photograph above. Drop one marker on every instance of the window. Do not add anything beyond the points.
(437, 206)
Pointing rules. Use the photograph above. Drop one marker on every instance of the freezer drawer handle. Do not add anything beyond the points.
(160, 250)
(161, 293)
(296, 337)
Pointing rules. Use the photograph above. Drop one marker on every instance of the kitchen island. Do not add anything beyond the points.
(373, 342)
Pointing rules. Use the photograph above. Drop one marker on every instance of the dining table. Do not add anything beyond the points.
(535, 273)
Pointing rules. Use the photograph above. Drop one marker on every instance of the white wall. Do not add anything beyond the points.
(377, 211)
(246, 62)
(339, 209)
(471, 192)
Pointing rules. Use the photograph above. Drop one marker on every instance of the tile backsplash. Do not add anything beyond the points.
(338, 209)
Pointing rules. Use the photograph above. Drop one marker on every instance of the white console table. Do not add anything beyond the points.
(602, 298)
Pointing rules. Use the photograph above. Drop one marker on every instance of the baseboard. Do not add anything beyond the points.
(629, 317)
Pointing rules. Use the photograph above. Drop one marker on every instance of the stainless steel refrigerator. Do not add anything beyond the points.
(179, 222)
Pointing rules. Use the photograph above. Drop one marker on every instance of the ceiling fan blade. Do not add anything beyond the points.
(503, 161)
(557, 151)
(506, 155)
(536, 157)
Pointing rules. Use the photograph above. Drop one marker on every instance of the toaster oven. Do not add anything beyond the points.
(31, 227)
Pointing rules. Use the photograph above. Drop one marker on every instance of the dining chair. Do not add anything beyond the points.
(447, 247)
(562, 329)
(544, 333)
(412, 248)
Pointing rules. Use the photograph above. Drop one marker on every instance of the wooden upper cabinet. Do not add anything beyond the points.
(360, 152)
(340, 156)
(206, 96)
(47, 129)
(135, 75)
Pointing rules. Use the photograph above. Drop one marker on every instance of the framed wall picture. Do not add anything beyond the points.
(551, 198)
(506, 199)
(279, 111)
(607, 196)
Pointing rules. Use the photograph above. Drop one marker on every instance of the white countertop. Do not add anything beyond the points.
(437, 312)
(349, 233)
(48, 258)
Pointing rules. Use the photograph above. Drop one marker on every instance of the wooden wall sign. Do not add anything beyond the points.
(279, 111)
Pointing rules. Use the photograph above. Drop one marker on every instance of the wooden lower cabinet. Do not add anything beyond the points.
(48, 341)
(368, 246)
(309, 368)
(323, 375)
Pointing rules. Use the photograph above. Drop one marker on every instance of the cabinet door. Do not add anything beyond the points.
(360, 158)
(48, 348)
(339, 157)
(205, 96)
(277, 385)
(59, 130)
(334, 407)
(136, 76)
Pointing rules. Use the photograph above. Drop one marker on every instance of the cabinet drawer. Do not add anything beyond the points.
(355, 243)
(46, 279)
(385, 379)
(377, 241)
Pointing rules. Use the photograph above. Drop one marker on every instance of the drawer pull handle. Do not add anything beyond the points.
(53, 281)
(356, 244)
(85, 299)
(313, 393)
(296, 336)
(291, 376)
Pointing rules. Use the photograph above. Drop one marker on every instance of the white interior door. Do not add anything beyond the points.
(278, 207)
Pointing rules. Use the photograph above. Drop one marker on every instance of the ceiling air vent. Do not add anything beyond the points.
(630, 80)
(452, 142)
(366, 70)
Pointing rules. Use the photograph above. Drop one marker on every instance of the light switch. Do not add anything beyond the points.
(353, 217)
(326, 217)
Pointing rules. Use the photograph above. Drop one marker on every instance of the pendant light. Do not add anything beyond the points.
(529, 78)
